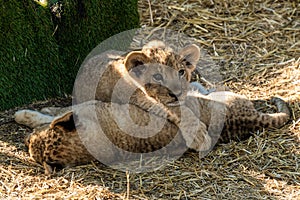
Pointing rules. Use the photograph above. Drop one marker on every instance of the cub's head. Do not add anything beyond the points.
(164, 74)
(184, 61)
(45, 143)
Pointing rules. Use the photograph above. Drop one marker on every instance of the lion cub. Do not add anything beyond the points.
(107, 80)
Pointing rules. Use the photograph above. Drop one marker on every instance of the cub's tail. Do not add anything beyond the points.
(283, 115)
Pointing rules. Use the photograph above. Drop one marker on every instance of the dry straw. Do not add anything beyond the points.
(257, 46)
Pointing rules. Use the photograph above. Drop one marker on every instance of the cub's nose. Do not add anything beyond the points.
(171, 94)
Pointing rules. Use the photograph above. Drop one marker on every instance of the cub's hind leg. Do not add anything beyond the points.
(194, 132)
(58, 111)
(32, 118)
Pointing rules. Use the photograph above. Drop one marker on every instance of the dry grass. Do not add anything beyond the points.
(257, 46)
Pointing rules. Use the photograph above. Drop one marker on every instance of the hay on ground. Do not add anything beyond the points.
(257, 46)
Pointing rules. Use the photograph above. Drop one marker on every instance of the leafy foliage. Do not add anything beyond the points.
(40, 53)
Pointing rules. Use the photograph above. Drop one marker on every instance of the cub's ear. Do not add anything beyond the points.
(65, 121)
(138, 70)
(134, 59)
(191, 54)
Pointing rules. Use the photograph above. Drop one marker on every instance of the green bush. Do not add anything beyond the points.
(40, 54)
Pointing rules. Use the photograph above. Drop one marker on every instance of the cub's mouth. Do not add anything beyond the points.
(173, 104)
(164, 95)
(176, 100)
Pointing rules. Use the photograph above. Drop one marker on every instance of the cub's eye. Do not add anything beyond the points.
(187, 62)
(158, 77)
(181, 72)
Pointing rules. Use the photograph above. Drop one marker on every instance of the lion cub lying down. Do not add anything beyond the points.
(56, 143)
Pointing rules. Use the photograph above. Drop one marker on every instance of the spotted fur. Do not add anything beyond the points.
(229, 116)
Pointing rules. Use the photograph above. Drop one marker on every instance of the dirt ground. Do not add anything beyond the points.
(257, 47)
